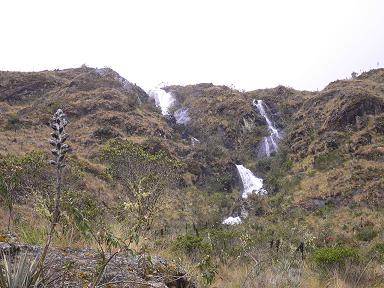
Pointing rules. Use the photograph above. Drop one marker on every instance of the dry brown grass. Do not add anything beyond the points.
(231, 276)
(99, 108)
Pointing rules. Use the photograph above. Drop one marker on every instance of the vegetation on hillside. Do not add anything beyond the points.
(136, 183)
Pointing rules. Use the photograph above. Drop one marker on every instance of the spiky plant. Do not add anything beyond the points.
(18, 271)
(60, 149)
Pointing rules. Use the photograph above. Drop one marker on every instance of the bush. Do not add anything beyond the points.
(105, 133)
(18, 271)
(330, 256)
(367, 234)
(144, 179)
(264, 165)
(31, 235)
(82, 215)
(379, 249)
(328, 160)
(14, 122)
(199, 251)
(225, 242)
(191, 244)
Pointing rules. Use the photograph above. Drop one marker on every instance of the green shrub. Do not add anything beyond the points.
(379, 249)
(264, 165)
(14, 122)
(328, 160)
(224, 241)
(334, 255)
(208, 269)
(82, 215)
(367, 234)
(311, 173)
(192, 244)
(31, 235)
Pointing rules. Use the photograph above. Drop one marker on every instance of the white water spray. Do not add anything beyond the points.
(194, 141)
(251, 183)
(232, 220)
(269, 145)
(182, 116)
(163, 99)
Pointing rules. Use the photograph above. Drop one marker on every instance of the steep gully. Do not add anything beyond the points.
(268, 145)
(165, 101)
(251, 183)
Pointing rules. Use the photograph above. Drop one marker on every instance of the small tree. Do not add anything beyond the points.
(143, 177)
(18, 176)
(14, 122)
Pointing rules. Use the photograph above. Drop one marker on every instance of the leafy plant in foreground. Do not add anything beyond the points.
(17, 272)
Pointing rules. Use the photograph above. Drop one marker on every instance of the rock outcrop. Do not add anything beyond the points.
(78, 268)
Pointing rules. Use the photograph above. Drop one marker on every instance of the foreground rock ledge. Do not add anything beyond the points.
(76, 268)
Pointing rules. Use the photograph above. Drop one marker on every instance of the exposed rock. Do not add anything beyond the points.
(77, 268)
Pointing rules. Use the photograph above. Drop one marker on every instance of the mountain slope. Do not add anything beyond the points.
(337, 138)
(327, 133)
(325, 181)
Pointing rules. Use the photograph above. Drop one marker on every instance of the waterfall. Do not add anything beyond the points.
(251, 183)
(163, 99)
(194, 141)
(232, 220)
(269, 143)
(182, 116)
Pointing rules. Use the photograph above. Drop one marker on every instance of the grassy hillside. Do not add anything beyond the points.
(337, 141)
(325, 184)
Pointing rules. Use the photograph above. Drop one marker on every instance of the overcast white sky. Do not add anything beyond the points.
(251, 44)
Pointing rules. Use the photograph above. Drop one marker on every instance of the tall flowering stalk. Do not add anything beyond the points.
(60, 149)
(58, 124)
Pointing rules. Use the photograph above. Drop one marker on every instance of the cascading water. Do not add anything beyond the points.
(163, 99)
(182, 116)
(194, 141)
(269, 143)
(232, 220)
(251, 183)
